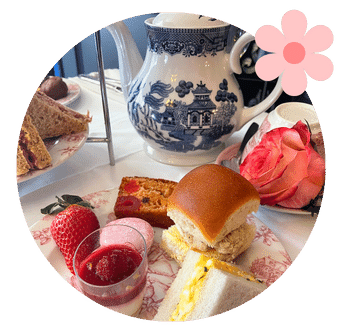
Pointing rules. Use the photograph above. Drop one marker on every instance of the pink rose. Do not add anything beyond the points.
(284, 167)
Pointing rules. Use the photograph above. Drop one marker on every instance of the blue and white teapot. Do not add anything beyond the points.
(184, 100)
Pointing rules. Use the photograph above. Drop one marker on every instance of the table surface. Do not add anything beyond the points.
(89, 170)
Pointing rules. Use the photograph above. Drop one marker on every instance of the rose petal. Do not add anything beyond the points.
(270, 39)
(266, 162)
(254, 166)
(270, 66)
(289, 154)
(318, 39)
(266, 177)
(303, 131)
(306, 191)
(309, 187)
(316, 168)
(292, 139)
(294, 25)
(259, 163)
(294, 80)
(318, 67)
(275, 198)
(294, 173)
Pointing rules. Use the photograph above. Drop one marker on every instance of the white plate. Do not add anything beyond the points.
(60, 149)
(231, 151)
(266, 258)
(74, 91)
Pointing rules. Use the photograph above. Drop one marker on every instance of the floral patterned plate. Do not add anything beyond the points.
(266, 258)
(60, 149)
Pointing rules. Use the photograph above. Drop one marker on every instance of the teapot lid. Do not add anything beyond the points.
(185, 20)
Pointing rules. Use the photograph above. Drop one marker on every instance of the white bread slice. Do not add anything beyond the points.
(235, 243)
(210, 202)
(221, 291)
(52, 119)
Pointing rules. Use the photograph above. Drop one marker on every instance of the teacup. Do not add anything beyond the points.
(287, 115)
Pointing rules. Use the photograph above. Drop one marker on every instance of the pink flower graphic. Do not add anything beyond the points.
(294, 53)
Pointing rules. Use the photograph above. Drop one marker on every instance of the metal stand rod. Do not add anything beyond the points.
(108, 138)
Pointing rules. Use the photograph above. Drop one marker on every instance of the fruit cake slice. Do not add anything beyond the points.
(145, 198)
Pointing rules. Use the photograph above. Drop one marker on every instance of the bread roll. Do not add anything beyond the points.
(210, 202)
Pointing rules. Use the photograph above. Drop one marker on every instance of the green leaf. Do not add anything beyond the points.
(48, 209)
(72, 199)
(85, 204)
(63, 202)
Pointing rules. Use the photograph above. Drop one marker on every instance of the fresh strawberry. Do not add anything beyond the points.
(70, 227)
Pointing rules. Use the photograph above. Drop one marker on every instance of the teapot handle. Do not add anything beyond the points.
(249, 113)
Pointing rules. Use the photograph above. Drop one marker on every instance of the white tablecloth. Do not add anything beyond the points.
(88, 170)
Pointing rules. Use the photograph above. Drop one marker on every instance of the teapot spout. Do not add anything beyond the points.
(130, 60)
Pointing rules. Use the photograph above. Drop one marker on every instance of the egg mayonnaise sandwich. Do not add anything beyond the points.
(205, 287)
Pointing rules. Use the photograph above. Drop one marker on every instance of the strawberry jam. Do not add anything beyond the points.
(109, 265)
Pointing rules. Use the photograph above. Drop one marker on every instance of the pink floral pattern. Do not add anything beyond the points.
(75, 137)
(71, 149)
(44, 236)
(96, 199)
(268, 269)
(68, 151)
(161, 273)
(265, 235)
